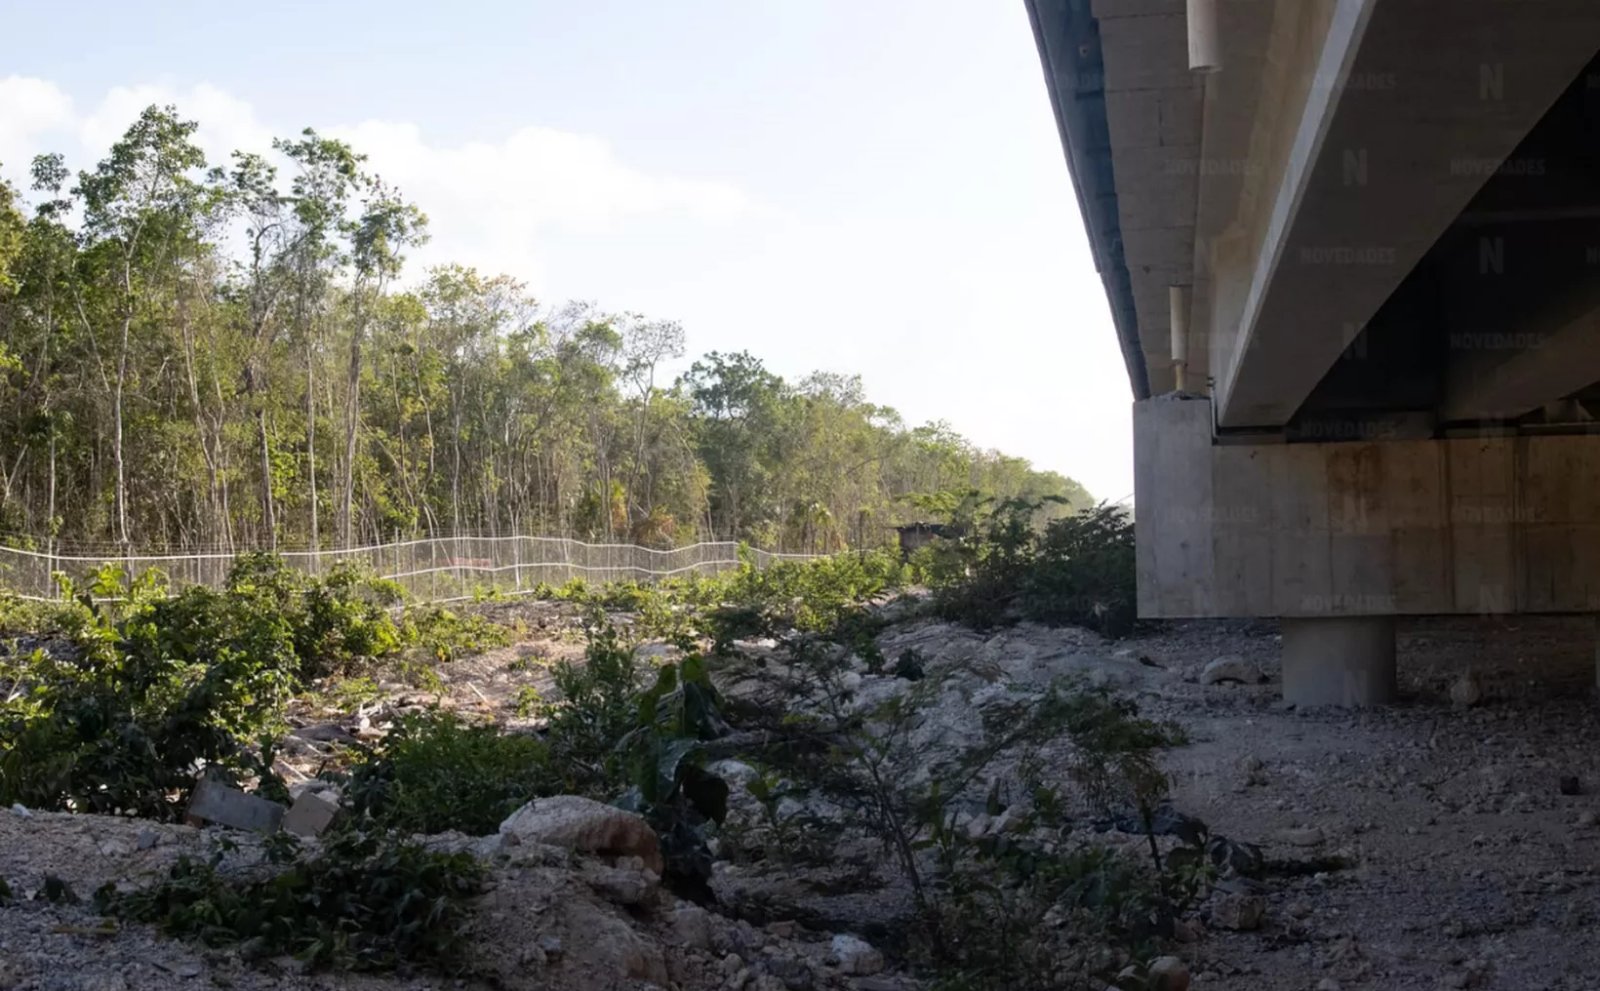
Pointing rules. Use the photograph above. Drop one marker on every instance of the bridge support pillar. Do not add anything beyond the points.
(1339, 660)
(1597, 654)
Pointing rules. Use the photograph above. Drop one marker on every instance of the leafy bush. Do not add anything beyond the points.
(134, 696)
(597, 706)
(1077, 569)
(1029, 906)
(614, 739)
(122, 722)
(367, 902)
(434, 773)
(813, 595)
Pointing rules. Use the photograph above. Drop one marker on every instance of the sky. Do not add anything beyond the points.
(862, 186)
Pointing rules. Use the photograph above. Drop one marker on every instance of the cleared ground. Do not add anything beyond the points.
(1468, 865)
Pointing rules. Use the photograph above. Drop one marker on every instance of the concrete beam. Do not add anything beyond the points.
(1404, 92)
(1475, 525)
(1501, 375)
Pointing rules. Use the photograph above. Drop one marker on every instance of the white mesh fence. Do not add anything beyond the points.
(433, 570)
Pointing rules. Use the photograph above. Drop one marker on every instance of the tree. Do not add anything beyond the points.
(176, 345)
(141, 207)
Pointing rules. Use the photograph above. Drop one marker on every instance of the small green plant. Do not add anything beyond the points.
(529, 701)
(445, 635)
(367, 902)
(434, 772)
(350, 694)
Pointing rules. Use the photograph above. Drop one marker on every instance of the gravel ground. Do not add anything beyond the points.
(1469, 867)
(1472, 868)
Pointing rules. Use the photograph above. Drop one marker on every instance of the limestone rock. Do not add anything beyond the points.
(656, 653)
(1168, 974)
(585, 826)
(1300, 836)
(1254, 771)
(691, 926)
(622, 886)
(855, 955)
(1466, 691)
(1241, 913)
(1231, 668)
(1232, 858)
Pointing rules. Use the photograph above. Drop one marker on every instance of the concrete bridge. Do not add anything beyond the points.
(1352, 251)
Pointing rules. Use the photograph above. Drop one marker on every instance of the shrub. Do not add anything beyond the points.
(122, 723)
(1077, 569)
(133, 697)
(367, 902)
(597, 706)
(1083, 572)
(434, 773)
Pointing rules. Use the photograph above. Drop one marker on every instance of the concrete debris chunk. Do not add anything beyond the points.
(311, 814)
(215, 802)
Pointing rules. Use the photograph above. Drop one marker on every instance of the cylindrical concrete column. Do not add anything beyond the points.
(1597, 654)
(1339, 660)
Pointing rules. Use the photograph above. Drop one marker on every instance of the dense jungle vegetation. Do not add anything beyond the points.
(233, 355)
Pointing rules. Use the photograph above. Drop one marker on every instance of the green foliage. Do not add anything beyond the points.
(445, 635)
(435, 773)
(164, 377)
(1077, 569)
(995, 909)
(615, 733)
(597, 706)
(367, 902)
(816, 596)
(131, 698)
(1012, 913)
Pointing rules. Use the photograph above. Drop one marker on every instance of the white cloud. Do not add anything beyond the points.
(30, 109)
(495, 203)
(226, 122)
(492, 204)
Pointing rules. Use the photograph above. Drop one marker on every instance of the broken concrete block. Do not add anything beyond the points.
(311, 813)
(215, 802)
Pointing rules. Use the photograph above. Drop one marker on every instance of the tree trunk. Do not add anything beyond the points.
(352, 417)
(311, 439)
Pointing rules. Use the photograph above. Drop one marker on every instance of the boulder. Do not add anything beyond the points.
(584, 826)
(1231, 667)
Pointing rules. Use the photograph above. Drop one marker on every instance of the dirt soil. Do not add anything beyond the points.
(1470, 866)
